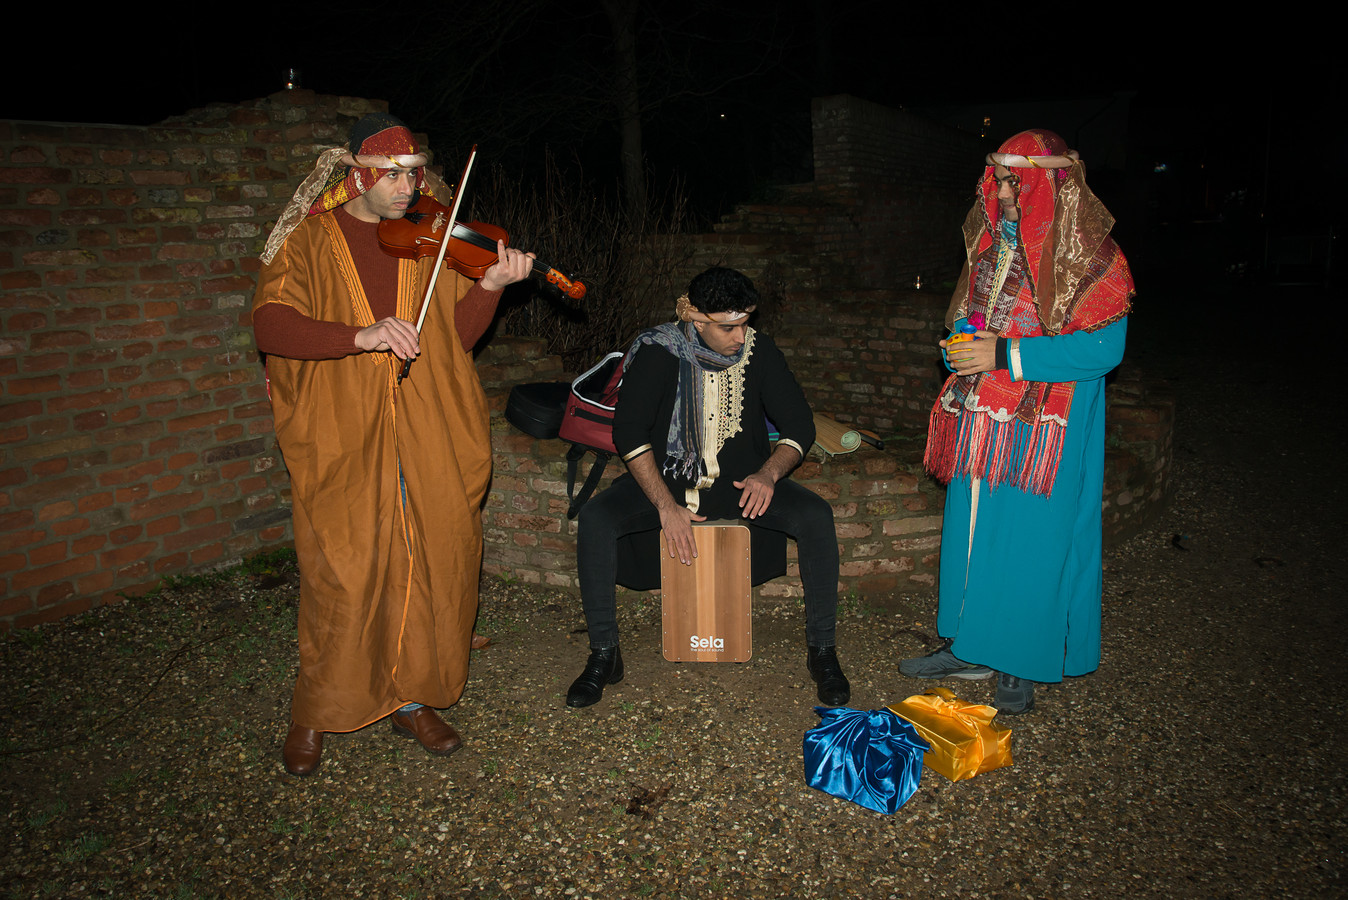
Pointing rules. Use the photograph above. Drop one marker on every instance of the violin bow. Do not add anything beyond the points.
(440, 257)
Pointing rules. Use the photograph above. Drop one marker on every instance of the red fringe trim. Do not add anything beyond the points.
(939, 458)
(988, 451)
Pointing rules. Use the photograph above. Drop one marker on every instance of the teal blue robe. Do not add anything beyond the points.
(1026, 600)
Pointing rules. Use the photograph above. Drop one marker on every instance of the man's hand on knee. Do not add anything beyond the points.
(756, 492)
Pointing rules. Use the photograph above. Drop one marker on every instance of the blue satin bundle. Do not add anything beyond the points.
(871, 758)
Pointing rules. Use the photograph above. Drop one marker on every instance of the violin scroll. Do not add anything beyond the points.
(572, 289)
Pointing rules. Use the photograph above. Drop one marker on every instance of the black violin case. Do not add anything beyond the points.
(536, 408)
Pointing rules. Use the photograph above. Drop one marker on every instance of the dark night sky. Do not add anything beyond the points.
(134, 73)
(745, 71)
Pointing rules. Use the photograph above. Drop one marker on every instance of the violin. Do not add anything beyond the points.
(472, 245)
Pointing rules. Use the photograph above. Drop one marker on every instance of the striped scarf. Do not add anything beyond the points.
(683, 444)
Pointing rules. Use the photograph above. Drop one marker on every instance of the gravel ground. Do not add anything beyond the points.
(141, 743)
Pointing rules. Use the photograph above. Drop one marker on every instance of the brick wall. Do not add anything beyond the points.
(839, 258)
(1139, 451)
(842, 257)
(870, 359)
(135, 434)
(889, 195)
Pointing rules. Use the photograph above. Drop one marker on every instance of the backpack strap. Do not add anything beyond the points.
(573, 457)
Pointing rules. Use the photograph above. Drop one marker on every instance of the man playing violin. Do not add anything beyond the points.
(387, 478)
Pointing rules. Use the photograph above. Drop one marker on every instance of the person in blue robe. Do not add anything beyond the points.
(1038, 319)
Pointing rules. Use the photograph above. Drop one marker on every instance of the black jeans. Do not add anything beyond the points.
(623, 509)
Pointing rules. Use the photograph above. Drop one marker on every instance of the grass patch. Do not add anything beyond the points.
(122, 782)
(650, 740)
(82, 848)
(31, 638)
(47, 815)
(270, 562)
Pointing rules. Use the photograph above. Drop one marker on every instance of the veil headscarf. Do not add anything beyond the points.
(1068, 276)
(1064, 229)
(378, 143)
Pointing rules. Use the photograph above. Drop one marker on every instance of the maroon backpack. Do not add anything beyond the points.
(587, 424)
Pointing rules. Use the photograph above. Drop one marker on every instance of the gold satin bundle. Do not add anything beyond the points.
(965, 741)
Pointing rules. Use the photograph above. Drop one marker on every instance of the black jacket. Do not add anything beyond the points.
(646, 406)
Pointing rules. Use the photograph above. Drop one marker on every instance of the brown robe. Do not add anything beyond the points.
(388, 590)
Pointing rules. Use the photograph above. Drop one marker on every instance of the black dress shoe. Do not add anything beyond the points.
(834, 689)
(603, 667)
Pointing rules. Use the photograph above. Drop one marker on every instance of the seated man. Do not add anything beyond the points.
(690, 425)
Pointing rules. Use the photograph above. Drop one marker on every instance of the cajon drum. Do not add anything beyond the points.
(708, 606)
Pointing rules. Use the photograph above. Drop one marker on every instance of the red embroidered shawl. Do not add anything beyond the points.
(1067, 275)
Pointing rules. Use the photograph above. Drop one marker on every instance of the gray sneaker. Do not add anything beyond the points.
(941, 663)
(1014, 695)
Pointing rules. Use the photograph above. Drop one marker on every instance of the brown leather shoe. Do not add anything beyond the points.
(303, 750)
(479, 642)
(435, 734)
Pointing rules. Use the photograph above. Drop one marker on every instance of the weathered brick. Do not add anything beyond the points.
(126, 534)
(168, 388)
(94, 583)
(184, 423)
(25, 321)
(89, 543)
(87, 400)
(77, 217)
(127, 256)
(12, 607)
(162, 505)
(58, 448)
(858, 568)
(14, 434)
(35, 494)
(26, 218)
(233, 451)
(210, 553)
(161, 526)
(116, 333)
(10, 412)
(197, 537)
(15, 540)
(34, 576)
(50, 601)
(912, 524)
(852, 530)
(530, 523)
(129, 474)
(130, 553)
(159, 176)
(234, 470)
(34, 175)
(88, 503)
